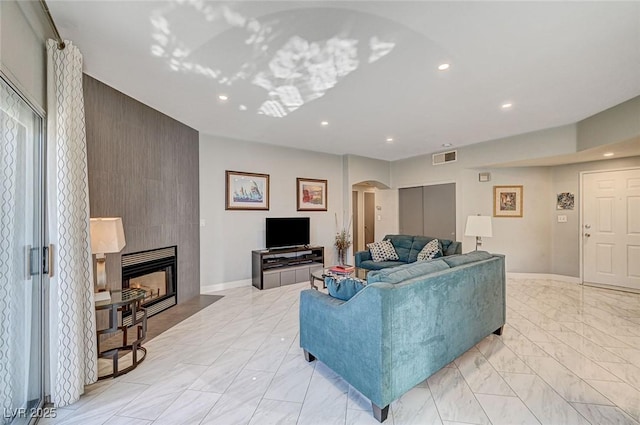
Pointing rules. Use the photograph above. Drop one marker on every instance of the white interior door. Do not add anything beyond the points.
(611, 228)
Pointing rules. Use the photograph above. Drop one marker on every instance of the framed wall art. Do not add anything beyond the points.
(312, 194)
(507, 201)
(246, 191)
(565, 201)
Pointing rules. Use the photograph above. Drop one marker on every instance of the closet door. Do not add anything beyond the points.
(410, 206)
(439, 211)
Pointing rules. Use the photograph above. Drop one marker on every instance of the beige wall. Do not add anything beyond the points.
(617, 124)
(361, 169)
(228, 237)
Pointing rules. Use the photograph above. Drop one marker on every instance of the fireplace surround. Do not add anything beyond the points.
(155, 272)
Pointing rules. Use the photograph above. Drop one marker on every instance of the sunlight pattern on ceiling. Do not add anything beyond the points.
(301, 71)
(293, 71)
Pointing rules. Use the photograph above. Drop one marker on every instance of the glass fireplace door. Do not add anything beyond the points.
(21, 258)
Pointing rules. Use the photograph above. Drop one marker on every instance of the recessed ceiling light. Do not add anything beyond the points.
(446, 145)
(607, 154)
(507, 105)
(242, 107)
(324, 123)
(444, 66)
(389, 139)
(223, 97)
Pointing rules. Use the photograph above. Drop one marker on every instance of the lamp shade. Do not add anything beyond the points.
(478, 225)
(107, 235)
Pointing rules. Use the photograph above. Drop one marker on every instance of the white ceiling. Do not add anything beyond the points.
(368, 68)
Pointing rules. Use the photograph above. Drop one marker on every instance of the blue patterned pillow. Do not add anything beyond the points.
(430, 251)
(343, 287)
(383, 251)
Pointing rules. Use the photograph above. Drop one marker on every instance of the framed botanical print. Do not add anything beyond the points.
(312, 194)
(246, 191)
(507, 201)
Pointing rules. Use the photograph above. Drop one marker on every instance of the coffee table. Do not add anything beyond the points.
(320, 274)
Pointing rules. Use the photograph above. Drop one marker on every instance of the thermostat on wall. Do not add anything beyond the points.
(484, 177)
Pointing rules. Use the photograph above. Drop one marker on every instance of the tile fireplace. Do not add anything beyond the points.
(155, 272)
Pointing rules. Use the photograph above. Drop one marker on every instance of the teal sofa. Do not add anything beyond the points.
(405, 324)
(407, 247)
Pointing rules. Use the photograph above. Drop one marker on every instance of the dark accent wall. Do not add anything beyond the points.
(143, 167)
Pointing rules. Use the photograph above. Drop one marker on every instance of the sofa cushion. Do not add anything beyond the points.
(382, 251)
(343, 287)
(430, 251)
(372, 265)
(471, 257)
(408, 271)
(402, 245)
(450, 247)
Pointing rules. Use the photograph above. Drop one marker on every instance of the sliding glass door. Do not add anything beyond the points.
(21, 258)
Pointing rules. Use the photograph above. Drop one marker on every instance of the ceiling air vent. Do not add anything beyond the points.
(444, 157)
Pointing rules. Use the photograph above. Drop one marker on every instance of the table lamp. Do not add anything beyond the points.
(478, 226)
(107, 236)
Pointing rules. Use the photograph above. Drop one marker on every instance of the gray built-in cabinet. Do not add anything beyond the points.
(274, 268)
(428, 211)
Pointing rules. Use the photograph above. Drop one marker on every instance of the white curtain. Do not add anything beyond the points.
(73, 326)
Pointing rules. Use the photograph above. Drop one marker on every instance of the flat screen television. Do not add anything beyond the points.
(291, 231)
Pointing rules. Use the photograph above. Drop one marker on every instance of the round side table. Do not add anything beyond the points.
(126, 300)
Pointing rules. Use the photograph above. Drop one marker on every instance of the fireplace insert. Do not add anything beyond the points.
(155, 272)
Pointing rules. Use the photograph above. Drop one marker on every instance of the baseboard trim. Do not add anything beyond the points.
(613, 287)
(545, 276)
(225, 285)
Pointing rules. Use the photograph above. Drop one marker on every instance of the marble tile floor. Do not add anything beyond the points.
(569, 355)
(159, 323)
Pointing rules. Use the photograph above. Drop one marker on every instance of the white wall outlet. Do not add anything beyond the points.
(379, 217)
(203, 223)
(562, 219)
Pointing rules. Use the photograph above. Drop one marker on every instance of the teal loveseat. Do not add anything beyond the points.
(405, 324)
(407, 247)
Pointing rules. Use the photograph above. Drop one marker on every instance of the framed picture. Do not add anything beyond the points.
(247, 191)
(566, 201)
(312, 194)
(507, 201)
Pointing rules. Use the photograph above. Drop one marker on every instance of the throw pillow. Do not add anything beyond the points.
(343, 287)
(382, 251)
(430, 251)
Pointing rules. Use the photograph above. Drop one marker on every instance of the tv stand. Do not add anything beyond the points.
(272, 268)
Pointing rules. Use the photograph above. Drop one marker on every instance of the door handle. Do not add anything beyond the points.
(587, 235)
(31, 267)
(47, 260)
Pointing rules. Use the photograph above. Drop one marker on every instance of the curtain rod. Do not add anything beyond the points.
(61, 44)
